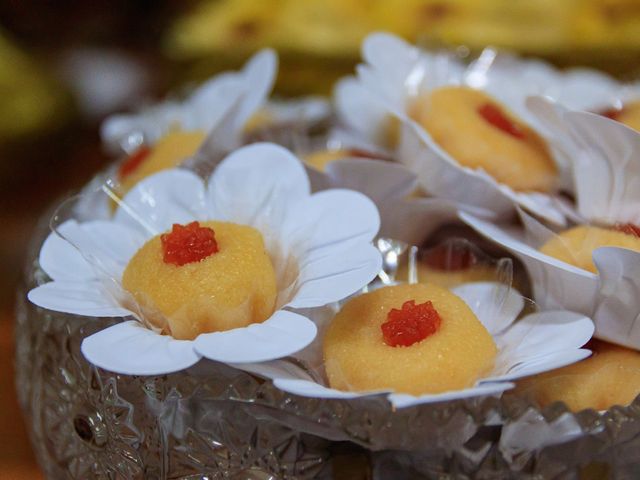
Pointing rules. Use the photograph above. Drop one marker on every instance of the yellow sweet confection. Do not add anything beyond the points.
(611, 376)
(202, 278)
(479, 133)
(576, 245)
(414, 339)
(168, 152)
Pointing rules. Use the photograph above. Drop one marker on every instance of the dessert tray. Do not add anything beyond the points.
(317, 214)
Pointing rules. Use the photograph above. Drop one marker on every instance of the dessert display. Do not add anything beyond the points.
(610, 376)
(413, 339)
(480, 133)
(204, 277)
(576, 245)
(258, 280)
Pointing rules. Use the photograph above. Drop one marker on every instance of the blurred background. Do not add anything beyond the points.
(66, 65)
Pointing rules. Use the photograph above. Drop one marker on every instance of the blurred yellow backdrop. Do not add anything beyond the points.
(325, 35)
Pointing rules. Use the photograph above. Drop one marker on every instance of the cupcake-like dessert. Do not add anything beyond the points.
(575, 246)
(610, 376)
(412, 338)
(480, 133)
(203, 277)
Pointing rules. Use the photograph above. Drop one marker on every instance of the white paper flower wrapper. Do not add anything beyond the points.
(222, 106)
(604, 172)
(609, 297)
(396, 73)
(535, 343)
(320, 247)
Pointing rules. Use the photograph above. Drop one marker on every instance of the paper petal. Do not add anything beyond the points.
(397, 71)
(106, 245)
(330, 219)
(400, 400)
(129, 348)
(361, 111)
(541, 364)
(607, 176)
(233, 105)
(256, 185)
(331, 276)
(283, 369)
(86, 298)
(547, 332)
(617, 314)
(61, 260)
(551, 123)
(259, 75)
(281, 335)
(378, 179)
(496, 305)
(305, 388)
(159, 201)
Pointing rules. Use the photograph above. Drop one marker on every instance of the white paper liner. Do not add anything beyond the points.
(394, 75)
(320, 246)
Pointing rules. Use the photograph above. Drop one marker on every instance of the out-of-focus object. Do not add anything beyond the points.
(103, 80)
(30, 101)
(317, 39)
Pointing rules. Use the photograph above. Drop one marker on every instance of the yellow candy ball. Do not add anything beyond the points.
(454, 357)
(229, 289)
(452, 117)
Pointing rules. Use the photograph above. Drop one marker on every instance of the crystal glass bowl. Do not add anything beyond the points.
(213, 421)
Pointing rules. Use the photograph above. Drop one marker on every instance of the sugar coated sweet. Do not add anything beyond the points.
(449, 353)
(211, 277)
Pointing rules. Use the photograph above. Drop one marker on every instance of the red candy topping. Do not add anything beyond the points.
(187, 244)
(134, 161)
(496, 117)
(411, 324)
(629, 229)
